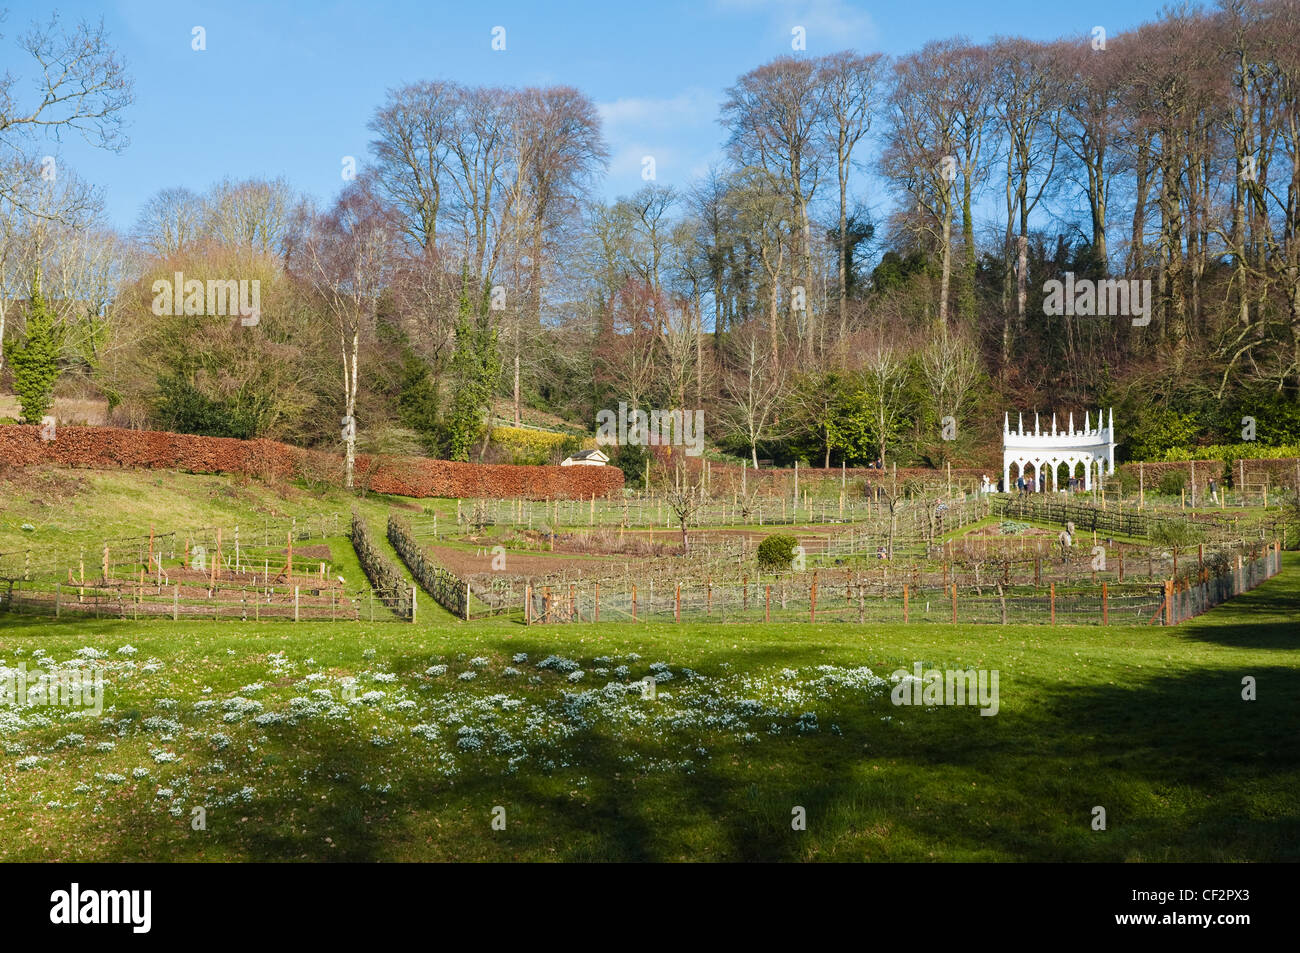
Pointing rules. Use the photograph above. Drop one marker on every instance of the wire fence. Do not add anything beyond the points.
(224, 602)
(652, 511)
(860, 601)
(219, 551)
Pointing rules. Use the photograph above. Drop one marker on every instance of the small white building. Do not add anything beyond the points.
(1041, 450)
(585, 458)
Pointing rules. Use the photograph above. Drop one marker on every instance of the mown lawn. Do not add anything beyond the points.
(408, 762)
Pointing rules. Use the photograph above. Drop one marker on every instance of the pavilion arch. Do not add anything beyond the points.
(1088, 452)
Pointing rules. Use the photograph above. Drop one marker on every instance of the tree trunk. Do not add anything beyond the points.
(946, 274)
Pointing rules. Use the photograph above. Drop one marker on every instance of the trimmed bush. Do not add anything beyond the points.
(383, 574)
(776, 552)
(266, 459)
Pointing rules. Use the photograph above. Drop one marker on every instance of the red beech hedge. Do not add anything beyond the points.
(112, 447)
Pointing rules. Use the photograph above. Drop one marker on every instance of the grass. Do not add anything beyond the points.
(1146, 722)
(69, 509)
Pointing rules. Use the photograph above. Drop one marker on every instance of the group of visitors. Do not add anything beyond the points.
(1028, 484)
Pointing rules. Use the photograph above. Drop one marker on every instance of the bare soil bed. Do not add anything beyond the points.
(465, 564)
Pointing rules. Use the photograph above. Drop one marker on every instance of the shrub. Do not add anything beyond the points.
(35, 361)
(776, 552)
(1172, 483)
(534, 447)
(633, 460)
(1173, 533)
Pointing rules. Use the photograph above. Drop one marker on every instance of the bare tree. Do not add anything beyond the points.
(36, 220)
(753, 392)
(257, 215)
(82, 87)
(774, 115)
(950, 366)
(920, 152)
(685, 500)
(850, 82)
(414, 131)
(558, 148)
(1028, 105)
(170, 221)
(884, 378)
(346, 259)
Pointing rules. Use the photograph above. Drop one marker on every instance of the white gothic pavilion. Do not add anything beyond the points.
(1041, 450)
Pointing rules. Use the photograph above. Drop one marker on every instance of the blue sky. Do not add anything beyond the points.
(287, 88)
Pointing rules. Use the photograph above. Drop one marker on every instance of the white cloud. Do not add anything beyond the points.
(830, 25)
(690, 107)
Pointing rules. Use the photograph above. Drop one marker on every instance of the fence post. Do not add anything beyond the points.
(677, 609)
(905, 600)
(466, 602)
(1052, 597)
(1169, 602)
(633, 602)
(1105, 606)
(528, 603)
(767, 606)
(954, 603)
(812, 599)
(295, 603)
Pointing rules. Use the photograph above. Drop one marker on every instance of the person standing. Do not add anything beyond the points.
(1214, 491)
